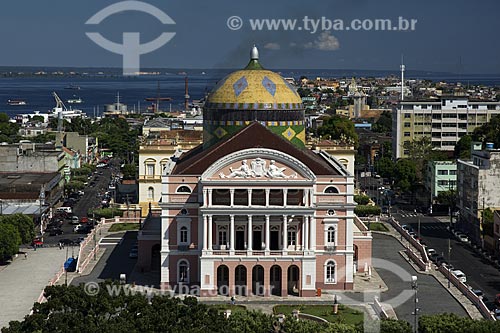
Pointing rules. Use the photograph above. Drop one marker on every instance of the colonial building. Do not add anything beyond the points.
(252, 211)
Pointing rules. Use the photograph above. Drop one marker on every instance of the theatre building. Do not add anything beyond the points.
(251, 210)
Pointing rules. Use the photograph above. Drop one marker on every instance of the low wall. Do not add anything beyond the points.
(417, 260)
(410, 239)
(468, 293)
(377, 306)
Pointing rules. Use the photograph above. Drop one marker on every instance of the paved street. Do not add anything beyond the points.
(89, 200)
(433, 298)
(480, 273)
(22, 282)
(114, 262)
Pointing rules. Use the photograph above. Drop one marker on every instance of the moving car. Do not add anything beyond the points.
(463, 238)
(133, 253)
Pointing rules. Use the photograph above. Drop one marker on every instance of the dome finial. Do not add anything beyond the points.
(254, 54)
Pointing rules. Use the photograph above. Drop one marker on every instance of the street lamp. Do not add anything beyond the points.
(414, 286)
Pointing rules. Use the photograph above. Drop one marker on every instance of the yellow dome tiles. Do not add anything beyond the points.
(254, 89)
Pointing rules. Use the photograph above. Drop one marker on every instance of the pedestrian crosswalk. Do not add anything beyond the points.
(433, 227)
(404, 214)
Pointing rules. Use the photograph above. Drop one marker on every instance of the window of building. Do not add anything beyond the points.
(330, 236)
(151, 193)
(407, 125)
(183, 189)
(150, 169)
(330, 212)
(331, 190)
(292, 236)
(222, 235)
(442, 182)
(453, 172)
(183, 271)
(407, 115)
(330, 272)
(407, 133)
(443, 172)
(183, 235)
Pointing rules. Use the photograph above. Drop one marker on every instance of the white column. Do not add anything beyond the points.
(268, 191)
(231, 194)
(250, 197)
(205, 221)
(210, 233)
(268, 234)
(306, 230)
(312, 230)
(209, 198)
(285, 193)
(250, 229)
(231, 233)
(285, 233)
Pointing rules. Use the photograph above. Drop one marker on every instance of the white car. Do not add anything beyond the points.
(459, 275)
(463, 238)
(77, 228)
(430, 252)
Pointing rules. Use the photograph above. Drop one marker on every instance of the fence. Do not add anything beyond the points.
(410, 239)
(468, 293)
(379, 309)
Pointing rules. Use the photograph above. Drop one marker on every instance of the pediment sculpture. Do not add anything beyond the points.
(258, 169)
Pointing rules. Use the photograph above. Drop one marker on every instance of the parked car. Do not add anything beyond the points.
(75, 220)
(78, 228)
(478, 292)
(55, 231)
(133, 253)
(430, 252)
(66, 241)
(459, 275)
(63, 209)
(463, 238)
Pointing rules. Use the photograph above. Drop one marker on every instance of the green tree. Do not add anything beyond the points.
(384, 123)
(405, 171)
(489, 132)
(23, 224)
(487, 221)
(421, 151)
(9, 241)
(362, 199)
(338, 128)
(385, 167)
(463, 146)
(448, 198)
(129, 171)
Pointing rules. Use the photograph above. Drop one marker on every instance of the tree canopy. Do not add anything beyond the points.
(9, 241)
(338, 128)
(23, 224)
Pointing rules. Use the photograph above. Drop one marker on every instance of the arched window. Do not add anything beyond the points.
(183, 271)
(151, 193)
(183, 189)
(183, 235)
(331, 190)
(330, 272)
(330, 235)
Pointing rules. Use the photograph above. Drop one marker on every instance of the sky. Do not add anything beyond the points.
(457, 36)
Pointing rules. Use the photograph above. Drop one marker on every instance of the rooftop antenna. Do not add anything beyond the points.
(186, 96)
(402, 67)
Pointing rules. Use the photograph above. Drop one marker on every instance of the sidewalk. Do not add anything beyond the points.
(23, 280)
(461, 298)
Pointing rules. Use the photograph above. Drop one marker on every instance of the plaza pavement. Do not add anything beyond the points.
(23, 280)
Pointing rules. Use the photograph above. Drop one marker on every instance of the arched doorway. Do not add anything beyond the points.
(293, 280)
(258, 280)
(275, 280)
(240, 280)
(156, 257)
(223, 280)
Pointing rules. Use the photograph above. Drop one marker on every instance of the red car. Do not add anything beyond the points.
(84, 219)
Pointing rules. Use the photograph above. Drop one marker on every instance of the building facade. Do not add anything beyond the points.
(441, 177)
(478, 181)
(444, 121)
(256, 212)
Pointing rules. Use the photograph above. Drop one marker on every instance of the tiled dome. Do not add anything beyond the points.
(254, 94)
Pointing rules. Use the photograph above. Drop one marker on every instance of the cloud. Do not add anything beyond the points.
(272, 46)
(324, 42)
